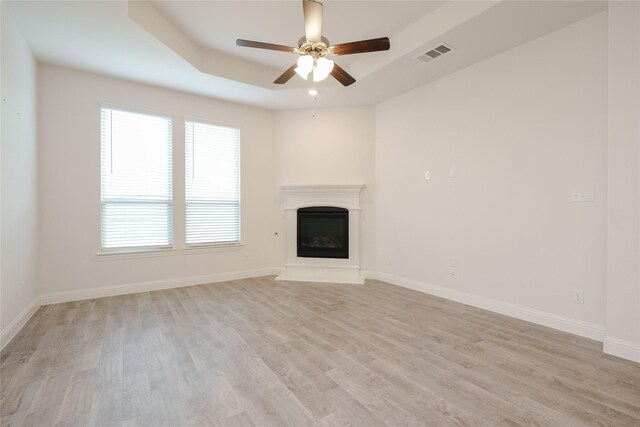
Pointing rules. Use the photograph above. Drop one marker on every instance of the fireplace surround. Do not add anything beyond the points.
(321, 258)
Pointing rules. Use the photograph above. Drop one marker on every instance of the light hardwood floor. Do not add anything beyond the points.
(266, 353)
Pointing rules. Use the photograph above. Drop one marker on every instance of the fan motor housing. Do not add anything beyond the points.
(320, 48)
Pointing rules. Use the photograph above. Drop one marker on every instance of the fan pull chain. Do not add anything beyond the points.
(315, 99)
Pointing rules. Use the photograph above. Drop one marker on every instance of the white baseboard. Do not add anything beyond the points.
(153, 285)
(18, 323)
(566, 324)
(621, 348)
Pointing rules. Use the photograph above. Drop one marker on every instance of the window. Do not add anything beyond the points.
(212, 167)
(135, 180)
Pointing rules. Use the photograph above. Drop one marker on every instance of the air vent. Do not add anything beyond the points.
(434, 53)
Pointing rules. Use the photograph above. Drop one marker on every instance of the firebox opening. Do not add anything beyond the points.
(323, 232)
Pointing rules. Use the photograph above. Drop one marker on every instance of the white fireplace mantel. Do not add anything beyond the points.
(322, 269)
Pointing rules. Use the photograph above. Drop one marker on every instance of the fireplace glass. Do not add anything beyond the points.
(323, 232)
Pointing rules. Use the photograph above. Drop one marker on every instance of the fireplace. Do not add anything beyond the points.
(323, 232)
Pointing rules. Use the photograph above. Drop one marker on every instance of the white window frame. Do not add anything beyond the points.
(197, 248)
(126, 252)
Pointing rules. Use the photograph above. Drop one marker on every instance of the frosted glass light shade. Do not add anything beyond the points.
(324, 66)
(322, 69)
(318, 76)
(305, 66)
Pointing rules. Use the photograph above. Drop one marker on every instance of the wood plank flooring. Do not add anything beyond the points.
(257, 352)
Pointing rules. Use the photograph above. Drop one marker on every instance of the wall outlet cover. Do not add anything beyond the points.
(578, 296)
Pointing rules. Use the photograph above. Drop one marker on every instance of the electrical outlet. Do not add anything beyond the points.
(453, 272)
(578, 296)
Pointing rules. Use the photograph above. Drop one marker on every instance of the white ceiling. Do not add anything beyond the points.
(217, 25)
(190, 46)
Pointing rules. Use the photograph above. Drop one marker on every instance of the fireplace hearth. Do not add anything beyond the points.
(323, 232)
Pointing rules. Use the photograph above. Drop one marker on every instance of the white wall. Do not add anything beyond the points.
(522, 130)
(18, 288)
(623, 231)
(69, 177)
(334, 147)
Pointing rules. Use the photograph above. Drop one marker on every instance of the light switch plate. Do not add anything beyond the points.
(582, 195)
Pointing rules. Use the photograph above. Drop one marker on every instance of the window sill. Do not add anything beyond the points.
(230, 247)
(131, 254)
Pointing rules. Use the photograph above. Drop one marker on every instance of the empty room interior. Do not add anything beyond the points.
(294, 213)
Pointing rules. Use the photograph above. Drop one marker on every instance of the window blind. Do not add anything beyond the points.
(212, 168)
(136, 187)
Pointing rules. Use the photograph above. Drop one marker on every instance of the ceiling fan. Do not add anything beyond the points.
(314, 49)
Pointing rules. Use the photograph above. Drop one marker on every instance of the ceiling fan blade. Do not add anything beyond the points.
(284, 77)
(341, 75)
(262, 45)
(362, 46)
(312, 20)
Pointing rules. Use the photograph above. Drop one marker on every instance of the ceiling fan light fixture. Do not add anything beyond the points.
(317, 76)
(302, 73)
(321, 69)
(305, 66)
(324, 65)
